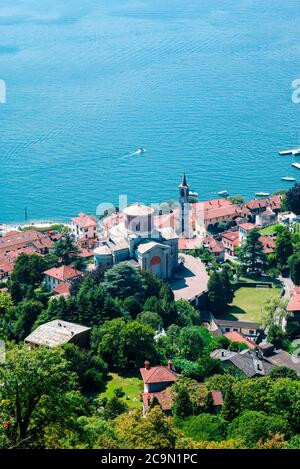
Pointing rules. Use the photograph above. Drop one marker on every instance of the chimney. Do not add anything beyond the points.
(223, 353)
(170, 365)
(259, 368)
(147, 365)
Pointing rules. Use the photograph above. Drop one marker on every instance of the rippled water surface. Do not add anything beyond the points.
(204, 86)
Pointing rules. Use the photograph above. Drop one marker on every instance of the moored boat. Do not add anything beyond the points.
(288, 178)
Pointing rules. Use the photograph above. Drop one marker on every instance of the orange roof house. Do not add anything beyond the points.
(238, 337)
(230, 240)
(63, 274)
(157, 382)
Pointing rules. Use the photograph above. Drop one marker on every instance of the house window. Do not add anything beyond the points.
(235, 330)
(251, 331)
(227, 329)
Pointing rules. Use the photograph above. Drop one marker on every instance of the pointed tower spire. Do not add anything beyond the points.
(184, 183)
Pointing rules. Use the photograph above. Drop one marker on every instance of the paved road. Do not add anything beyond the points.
(192, 279)
(288, 286)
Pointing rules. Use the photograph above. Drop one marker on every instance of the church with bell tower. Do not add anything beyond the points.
(184, 193)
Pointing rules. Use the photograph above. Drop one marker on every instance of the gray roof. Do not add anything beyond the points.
(246, 361)
(243, 324)
(282, 358)
(55, 333)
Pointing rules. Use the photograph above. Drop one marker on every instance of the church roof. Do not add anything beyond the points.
(137, 210)
(184, 183)
(148, 245)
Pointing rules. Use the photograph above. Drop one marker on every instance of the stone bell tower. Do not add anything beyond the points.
(184, 207)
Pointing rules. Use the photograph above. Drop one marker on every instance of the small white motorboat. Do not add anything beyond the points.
(262, 194)
(296, 165)
(288, 179)
(296, 151)
(223, 193)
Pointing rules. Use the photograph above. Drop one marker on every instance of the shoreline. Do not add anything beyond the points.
(15, 226)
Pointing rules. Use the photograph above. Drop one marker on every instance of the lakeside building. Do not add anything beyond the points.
(84, 230)
(136, 237)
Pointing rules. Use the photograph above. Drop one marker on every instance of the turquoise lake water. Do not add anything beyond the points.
(204, 86)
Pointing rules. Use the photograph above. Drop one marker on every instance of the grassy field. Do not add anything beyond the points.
(131, 385)
(248, 304)
(268, 230)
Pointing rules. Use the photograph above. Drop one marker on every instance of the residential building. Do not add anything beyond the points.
(58, 275)
(230, 241)
(245, 363)
(279, 357)
(244, 230)
(157, 385)
(58, 332)
(215, 247)
(257, 206)
(294, 303)
(84, 227)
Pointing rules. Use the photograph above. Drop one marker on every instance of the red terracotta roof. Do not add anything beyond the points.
(213, 245)
(158, 374)
(294, 303)
(247, 226)
(14, 240)
(65, 272)
(274, 201)
(84, 220)
(217, 397)
(62, 289)
(268, 243)
(231, 235)
(186, 244)
(238, 337)
(165, 399)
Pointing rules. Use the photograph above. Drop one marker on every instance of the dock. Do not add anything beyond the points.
(296, 151)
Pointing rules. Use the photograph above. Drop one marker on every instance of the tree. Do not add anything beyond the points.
(6, 304)
(215, 293)
(204, 427)
(155, 431)
(33, 382)
(230, 406)
(114, 407)
(133, 306)
(283, 372)
(251, 254)
(182, 406)
(90, 369)
(294, 263)
(66, 250)
(253, 426)
(150, 319)
(28, 270)
(236, 199)
(209, 405)
(292, 199)
(283, 248)
(190, 343)
(123, 280)
(274, 311)
(227, 289)
(27, 313)
(124, 345)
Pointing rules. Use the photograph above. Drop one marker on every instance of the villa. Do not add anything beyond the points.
(60, 275)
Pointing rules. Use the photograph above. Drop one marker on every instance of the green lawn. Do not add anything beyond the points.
(268, 230)
(248, 304)
(131, 385)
